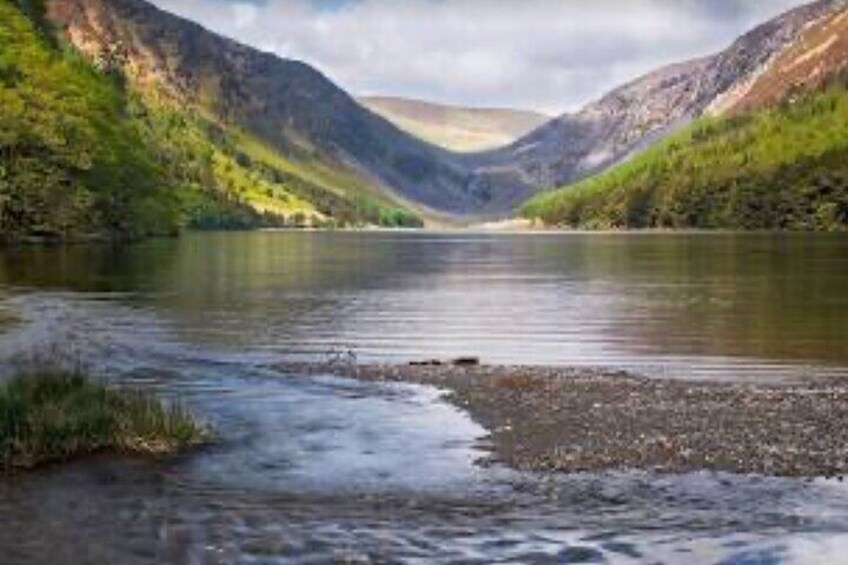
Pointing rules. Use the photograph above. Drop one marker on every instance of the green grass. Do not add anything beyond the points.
(784, 167)
(340, 198)
(217, 185)
(53, 415)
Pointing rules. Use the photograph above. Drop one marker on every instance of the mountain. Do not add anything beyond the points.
(779, 167)
(454, 127)
(636, 115)
(82, 155)
(286, 106)
(120, 118)
(770, 153)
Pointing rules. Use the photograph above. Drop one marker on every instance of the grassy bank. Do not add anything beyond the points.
(56, 415)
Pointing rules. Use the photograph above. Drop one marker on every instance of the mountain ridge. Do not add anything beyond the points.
(819, 52)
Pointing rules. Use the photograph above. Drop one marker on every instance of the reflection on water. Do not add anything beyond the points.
(672, 304)
(314, 470)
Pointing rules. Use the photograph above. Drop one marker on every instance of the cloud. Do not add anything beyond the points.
(245, 15)
(552, 55)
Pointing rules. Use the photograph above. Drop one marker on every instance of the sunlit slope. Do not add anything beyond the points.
(72, 161)
(819, 53)
(290, 107)
(82, 155)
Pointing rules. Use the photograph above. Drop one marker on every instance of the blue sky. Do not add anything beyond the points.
(548, 55)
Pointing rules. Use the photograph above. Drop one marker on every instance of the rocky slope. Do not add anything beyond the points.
(634, 116)
(819, 53)
(454, 127)
(285, 104)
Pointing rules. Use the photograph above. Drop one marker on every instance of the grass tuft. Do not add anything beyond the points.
(55, 415)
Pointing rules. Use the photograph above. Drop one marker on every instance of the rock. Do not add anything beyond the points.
(466, 362)
(426, 363)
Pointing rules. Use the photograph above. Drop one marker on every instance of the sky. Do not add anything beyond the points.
(547, 55)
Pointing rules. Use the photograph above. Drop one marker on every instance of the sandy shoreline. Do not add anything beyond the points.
(574, 420)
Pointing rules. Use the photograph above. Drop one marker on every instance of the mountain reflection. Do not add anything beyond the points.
(681, 303)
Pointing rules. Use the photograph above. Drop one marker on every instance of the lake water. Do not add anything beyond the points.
(326, 468)
(726, 306)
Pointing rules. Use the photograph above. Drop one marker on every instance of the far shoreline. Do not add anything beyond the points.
(102, 240)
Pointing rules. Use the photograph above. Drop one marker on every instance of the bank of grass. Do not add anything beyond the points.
(54, 415)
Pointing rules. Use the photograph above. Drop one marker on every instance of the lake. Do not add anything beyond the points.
(716, 305)
(326, 468)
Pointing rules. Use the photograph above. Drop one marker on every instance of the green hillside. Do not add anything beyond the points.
(784, 167)
(80, 156)
(71, 161)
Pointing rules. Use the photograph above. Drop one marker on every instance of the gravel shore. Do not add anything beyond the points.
(574, 420)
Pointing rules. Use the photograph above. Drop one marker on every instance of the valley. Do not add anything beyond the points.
(248, 316)
(234, 138)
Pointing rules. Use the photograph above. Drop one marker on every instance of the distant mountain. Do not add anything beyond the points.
(454, 127)
(636, 115)
(286, 105)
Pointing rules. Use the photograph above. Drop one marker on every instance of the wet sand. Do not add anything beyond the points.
(575, 420)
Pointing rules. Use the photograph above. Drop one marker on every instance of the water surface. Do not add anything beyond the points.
(718, 305)
(320, 469)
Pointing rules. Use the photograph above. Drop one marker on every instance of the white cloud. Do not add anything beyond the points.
(552, 55)
(244, 15)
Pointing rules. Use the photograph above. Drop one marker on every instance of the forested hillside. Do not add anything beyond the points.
(82, 155)
(71, 159)
(782, 167)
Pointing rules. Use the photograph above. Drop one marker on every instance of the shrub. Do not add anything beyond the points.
(54, 415)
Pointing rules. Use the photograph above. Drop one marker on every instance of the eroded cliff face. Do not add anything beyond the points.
(287, 104)
(818, 54)
(632, 117)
